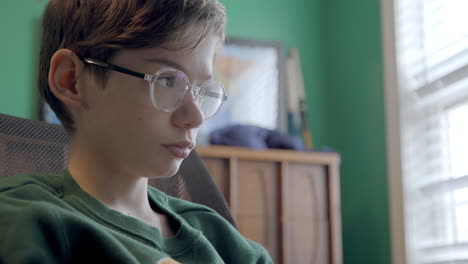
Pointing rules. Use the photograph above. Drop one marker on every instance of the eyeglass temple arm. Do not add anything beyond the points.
(114, 67)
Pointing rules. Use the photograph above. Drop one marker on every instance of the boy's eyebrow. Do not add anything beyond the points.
(174, 64)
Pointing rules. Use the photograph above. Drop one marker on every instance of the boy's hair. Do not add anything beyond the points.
(99, 28)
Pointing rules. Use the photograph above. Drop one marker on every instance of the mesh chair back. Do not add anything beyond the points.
(28, 146)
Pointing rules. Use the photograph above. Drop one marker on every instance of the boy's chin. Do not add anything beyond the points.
(169, 171)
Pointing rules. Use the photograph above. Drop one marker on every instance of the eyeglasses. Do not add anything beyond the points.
(169, 86)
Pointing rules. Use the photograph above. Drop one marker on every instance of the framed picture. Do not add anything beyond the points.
(252, 72)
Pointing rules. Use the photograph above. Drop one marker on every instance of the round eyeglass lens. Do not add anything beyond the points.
(168, 89)
(212, 97)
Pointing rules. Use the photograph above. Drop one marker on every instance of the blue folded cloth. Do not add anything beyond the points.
(254, 137)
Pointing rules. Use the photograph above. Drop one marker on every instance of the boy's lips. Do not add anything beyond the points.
(180, 149)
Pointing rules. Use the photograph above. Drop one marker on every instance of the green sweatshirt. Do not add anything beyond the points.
(50, 219)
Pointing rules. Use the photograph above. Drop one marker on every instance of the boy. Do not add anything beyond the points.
(131, 81)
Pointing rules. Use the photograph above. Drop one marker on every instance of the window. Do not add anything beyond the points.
(431, 46)
(457, 134)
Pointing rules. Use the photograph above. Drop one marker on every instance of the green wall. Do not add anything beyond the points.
(340, 45)
(356, 126)
(19, 24)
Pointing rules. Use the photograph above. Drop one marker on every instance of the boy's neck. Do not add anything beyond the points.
(110, 183)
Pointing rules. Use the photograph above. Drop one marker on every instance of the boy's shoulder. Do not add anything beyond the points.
(29, 184)
(29, 203)
(29, 194)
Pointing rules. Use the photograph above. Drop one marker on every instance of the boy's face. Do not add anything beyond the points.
(122, 126)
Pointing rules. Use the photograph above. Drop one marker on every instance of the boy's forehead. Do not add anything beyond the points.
(196, 61)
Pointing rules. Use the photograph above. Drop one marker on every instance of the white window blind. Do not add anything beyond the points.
(432, 64)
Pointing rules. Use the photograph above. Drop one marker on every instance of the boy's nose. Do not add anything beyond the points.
(188, 115)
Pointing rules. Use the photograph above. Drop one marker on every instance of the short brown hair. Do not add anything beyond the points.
(99, 28)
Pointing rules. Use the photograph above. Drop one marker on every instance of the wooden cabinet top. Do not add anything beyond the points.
(279, 155)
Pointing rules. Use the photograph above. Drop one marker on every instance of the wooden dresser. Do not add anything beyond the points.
(288, 201)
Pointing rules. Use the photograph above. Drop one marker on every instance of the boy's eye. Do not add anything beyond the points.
(166, 81)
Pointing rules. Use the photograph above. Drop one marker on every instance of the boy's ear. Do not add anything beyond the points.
(65, 69)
